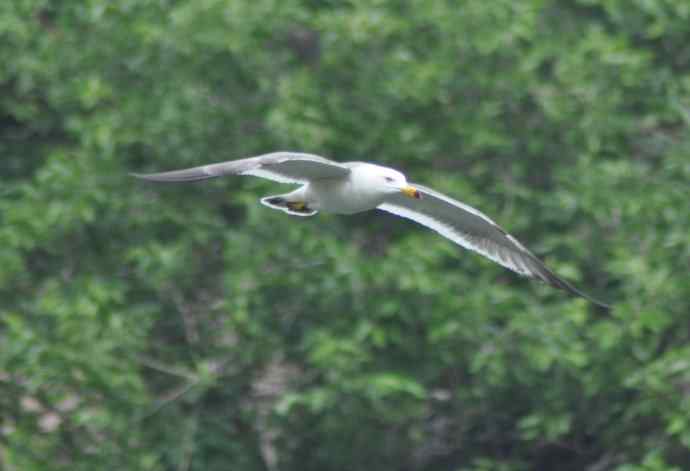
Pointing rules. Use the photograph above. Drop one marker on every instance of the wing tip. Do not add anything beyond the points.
(558, 282)
(151, 177)
(142, 176)
(175, 176)
(541, 272)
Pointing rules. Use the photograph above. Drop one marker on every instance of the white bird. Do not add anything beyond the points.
(353, 187)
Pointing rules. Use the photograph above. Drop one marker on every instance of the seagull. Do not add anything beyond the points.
(354, 187)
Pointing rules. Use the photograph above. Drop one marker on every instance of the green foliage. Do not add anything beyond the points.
(186, 327)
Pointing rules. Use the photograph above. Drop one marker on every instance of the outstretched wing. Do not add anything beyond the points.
(473, 230)
(284, 167)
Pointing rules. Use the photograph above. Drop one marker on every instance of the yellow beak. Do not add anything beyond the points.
(411, 191)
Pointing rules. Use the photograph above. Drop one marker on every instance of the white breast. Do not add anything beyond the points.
(353, 194)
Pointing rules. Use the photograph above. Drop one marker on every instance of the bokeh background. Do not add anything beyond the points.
(186, 327)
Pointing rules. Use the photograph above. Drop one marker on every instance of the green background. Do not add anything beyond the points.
(186, 327)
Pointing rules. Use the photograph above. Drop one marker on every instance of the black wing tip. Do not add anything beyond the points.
(169, 177)
(546, 275)
(594, 301)
(571, 289)
(558, 282)
(151, 177)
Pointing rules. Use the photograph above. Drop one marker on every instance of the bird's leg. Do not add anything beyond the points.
(285, 203)
(297, 206)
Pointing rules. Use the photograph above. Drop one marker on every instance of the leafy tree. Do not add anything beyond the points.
(186, 327)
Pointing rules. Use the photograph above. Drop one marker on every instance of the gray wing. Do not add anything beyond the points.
(473, 230)
(284, 167)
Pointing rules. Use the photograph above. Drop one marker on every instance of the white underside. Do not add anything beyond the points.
(340, 197)
(511, 259)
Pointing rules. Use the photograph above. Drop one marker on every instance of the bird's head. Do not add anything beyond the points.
(395, 182)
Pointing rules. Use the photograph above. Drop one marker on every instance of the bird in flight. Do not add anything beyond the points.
(354, 187)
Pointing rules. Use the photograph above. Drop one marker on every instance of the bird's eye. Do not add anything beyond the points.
(389, 179)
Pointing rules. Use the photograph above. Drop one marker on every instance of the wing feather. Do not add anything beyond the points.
(475, 231)
(283, 167)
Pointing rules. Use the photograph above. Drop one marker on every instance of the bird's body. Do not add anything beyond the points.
(354, 187)
(354, 193)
